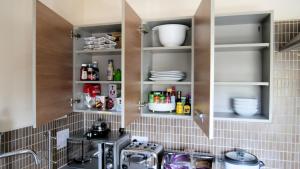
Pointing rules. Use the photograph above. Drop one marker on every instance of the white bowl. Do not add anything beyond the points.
(171, 35)
(245, 100)
(246, 112)
(245, 107)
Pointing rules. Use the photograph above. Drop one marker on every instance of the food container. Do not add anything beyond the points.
(171, 35)
(176, 161)
(161, 107)
(240, 159)
(187, 160)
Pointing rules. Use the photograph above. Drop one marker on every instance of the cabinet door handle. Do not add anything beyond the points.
(74, 101)
(142, 29)
(141, 104)
(200, 115)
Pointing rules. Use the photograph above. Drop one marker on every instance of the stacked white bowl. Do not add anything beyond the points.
(245, 106)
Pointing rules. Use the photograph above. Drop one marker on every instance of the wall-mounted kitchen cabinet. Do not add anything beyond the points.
(243, 64)
(60, 51)
(194, 58)
(39, 66)
(141, 52)
(52, 66)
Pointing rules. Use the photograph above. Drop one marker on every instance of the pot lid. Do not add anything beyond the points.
(241, 157)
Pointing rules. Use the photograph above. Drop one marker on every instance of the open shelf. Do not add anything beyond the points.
(169, 49)
(99, 82)
(242, 83)
(108, 112)
(241, 47)
(168, 82)
(236, 117)
(102, 51)
(151, 38)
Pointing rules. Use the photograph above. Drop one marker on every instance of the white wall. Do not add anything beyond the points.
(71, 10)
(16, 64)
(283, 9)
(101, 11)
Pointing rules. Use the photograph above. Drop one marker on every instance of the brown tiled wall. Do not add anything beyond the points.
(34, 138)
(276, 143)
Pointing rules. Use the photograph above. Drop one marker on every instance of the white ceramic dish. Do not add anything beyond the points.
(166, 72)
(171, 35)
(248, 100)
(165, 79)
(246, 112)
(246, 106)
(161, 107)
(171, 76)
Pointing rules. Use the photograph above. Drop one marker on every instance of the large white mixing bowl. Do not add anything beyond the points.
(171, 35)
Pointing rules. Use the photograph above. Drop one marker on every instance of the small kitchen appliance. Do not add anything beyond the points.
(100, 129)
(96, 153)
(240, 159)
(139, 155)
(187, 160)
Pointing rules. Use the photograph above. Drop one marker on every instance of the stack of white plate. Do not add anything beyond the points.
(166, 75)
(245, 106)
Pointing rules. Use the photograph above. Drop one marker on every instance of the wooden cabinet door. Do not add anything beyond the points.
(204, 66)
(54, 62)
(131, 60)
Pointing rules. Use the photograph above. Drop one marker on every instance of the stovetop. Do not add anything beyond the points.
(149, 147)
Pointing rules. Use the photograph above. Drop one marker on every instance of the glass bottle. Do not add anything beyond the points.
(96, 75)
(110, 70)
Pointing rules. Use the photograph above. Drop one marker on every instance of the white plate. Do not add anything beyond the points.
(165, 79)
(163, 76)
(171, 71)
(167, 73)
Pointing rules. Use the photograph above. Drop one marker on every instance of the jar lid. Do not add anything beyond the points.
(241, 157)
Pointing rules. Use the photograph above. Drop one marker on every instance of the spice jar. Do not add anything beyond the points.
(83, 72)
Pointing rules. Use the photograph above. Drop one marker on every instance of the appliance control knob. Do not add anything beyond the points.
(109, 166)
(107, 149)
(124, 166)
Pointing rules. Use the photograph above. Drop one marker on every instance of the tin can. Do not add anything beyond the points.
(183, 100)
(156, 99)
(162, 98)
(151, 98)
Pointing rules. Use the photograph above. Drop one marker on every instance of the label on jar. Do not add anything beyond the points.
(186, 109)
(84, 75)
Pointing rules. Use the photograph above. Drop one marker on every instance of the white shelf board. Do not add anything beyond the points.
(98, 82)
(102, 51)
(235, 117)
(240, 47)
(108, 112)
(242, 83)
(166, 115)
(169, 49)
(166, 82)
